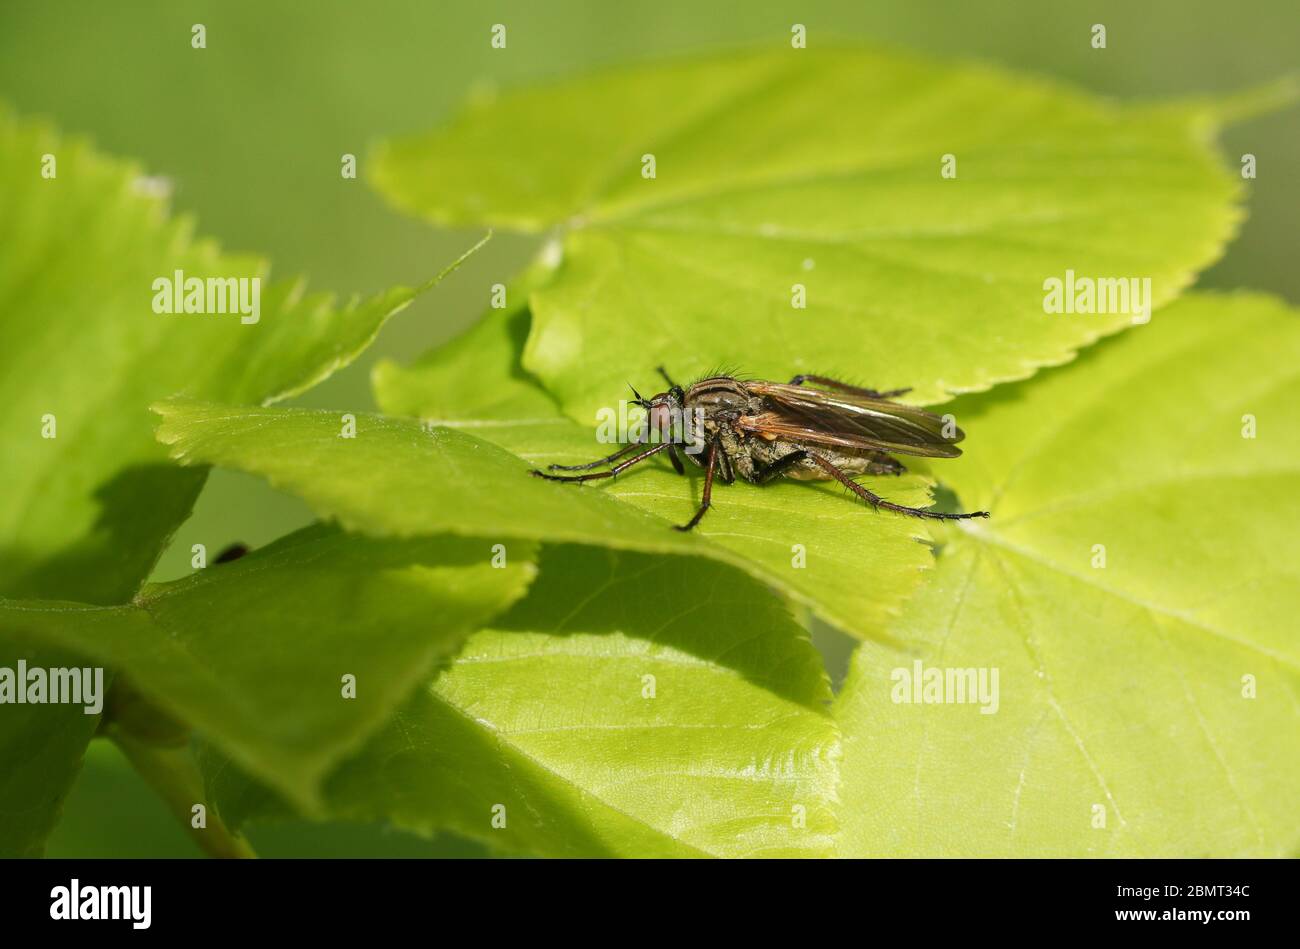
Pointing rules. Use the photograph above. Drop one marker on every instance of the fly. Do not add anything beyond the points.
(811, 428)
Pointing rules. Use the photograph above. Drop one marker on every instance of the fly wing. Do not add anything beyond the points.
(848, 420)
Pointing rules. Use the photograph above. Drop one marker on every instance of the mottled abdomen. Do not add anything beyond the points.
(764, 452)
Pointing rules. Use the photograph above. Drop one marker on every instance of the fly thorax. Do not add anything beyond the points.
(696, 429)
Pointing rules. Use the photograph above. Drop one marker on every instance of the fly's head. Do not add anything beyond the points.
(663, 414)
(669, 420)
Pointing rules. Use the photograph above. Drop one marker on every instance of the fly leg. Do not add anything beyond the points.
(706, 498)
(677, 462)
(594, 464)
(779, 467)
(725, 470)
(876, 500)
(612, 472)
(879, 465)
(845, 387)
(884, 465)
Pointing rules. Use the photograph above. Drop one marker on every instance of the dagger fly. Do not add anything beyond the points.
(810, 428)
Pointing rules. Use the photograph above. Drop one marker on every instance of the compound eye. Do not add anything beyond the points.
(661, 421)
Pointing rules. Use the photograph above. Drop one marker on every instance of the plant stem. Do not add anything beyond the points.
(174, 776)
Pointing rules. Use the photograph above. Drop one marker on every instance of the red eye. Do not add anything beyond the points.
(661, 419)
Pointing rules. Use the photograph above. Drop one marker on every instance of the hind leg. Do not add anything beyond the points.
(876, 500)
(884, 465)
(830, 383)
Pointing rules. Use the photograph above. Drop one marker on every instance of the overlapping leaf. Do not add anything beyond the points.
(850, 564)
(254, 653)
(912, 279)
(762, 181)
(1136, 591)
(41, 748)
(87, 510)
(630, 705)
(406, 477)
(89, 498)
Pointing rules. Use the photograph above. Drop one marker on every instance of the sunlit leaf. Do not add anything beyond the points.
(852, 565)
(89, 497)
(816, 542)
(762, 181)
(254, 654)
(1136, 592)
(630, 705)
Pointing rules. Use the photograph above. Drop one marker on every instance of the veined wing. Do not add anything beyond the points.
(846, 420)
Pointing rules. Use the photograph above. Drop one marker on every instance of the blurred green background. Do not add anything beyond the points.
(250, 131)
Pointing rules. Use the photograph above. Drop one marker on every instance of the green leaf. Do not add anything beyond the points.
(763, 182)
(551, 715)
(90, 499)
(1125, 689)
(41, 748)
(82, 350)
(401, 477)
(253, 653)
(852, 566)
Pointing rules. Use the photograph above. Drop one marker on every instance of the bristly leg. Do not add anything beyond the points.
(845, 387)
(876, 500)
(593, 464)
(725, 470)
(612, 472)
(881, 465)
(706, 498)
(779, 467)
